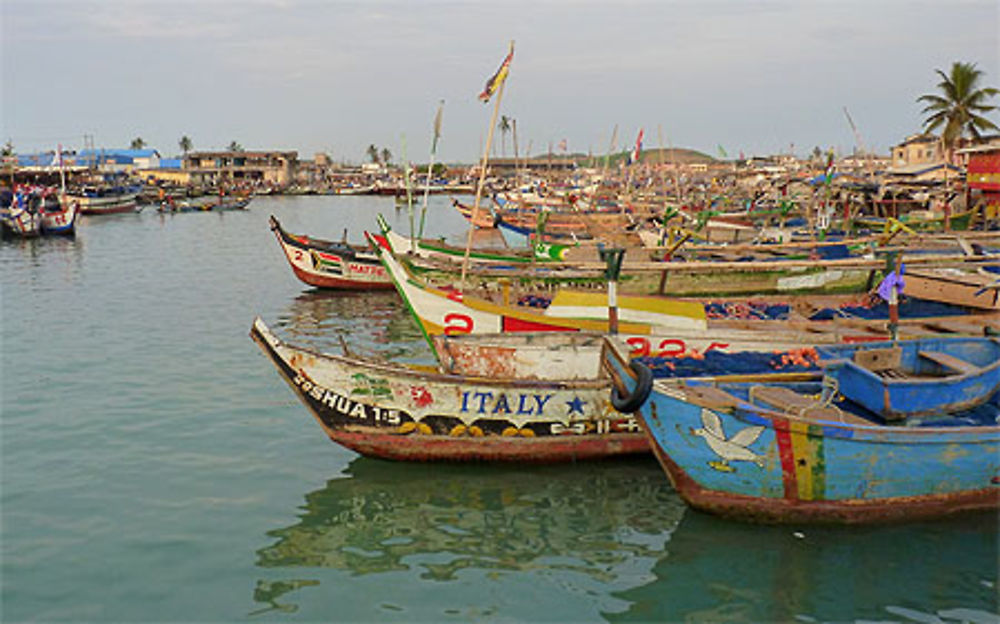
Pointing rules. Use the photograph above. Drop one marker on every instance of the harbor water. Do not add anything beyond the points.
(153, 467)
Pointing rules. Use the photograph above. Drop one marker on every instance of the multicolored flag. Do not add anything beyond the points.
(828, 172)
(637, 150)
(497, 79)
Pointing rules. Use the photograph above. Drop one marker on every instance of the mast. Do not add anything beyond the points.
(491, 86)
(430, 167)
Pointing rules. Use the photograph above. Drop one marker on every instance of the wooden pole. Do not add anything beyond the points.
(482, 176)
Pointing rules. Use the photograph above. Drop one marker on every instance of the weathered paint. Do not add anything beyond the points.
(812, 470)
(929, 386)
(397, 413)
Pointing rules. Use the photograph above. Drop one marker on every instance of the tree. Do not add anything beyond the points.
(959, 106)
(8, 148)
(235, 147)
(504, 127)
(386, 155)
(138, 143)
(372, 152)
(185, 144)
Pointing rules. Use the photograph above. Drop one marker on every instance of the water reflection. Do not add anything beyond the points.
(720, 570)
(607, 521)
(369, 323)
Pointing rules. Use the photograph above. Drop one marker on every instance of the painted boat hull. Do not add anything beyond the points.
(749, 462)
(60, 222)
(335, 266)
(107, 204)
(391, 412)
(952, 286)
(928, 387)
(22, 223)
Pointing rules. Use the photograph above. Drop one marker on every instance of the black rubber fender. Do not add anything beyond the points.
(631, 403)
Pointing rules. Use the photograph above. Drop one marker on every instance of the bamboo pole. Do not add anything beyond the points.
(482, 174)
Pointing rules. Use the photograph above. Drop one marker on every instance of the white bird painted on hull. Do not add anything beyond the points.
(731, 449)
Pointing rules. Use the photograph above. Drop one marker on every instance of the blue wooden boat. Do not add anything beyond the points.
(769, 448)
(919, 377)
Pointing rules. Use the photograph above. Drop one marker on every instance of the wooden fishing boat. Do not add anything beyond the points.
(21, 222)
(916, 377)
(976, 290)
(59, 216)
(440, 250)
(769, 449)
(391, 412)
(481, 219)
(327, 264)
(98, 200)
(650, 325)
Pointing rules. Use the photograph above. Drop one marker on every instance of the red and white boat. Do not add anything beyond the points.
(329, 264)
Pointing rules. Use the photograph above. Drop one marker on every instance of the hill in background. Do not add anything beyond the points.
(651, 156)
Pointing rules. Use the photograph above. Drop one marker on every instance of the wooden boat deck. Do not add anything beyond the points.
(950, 362)
(791, 402)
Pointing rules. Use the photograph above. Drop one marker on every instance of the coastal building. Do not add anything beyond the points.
(917, 149)
(241, 168)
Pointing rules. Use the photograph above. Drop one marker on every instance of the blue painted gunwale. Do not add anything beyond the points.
(943, 391)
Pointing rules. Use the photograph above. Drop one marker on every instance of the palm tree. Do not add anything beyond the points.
(959, 106)
(372, 152)
(8, 148)
(504, 127)
(138, 143)
(386, 155)
(235, 147)
(185, 144)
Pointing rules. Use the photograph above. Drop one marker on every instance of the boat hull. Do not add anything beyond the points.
(324, 265)
(734, 458)
(107, 204)
(396, 413)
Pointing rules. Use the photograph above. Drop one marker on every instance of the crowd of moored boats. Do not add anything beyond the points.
(781, 367)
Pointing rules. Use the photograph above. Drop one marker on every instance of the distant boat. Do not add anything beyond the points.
(766, 448)
(98, 200)
(327, 264)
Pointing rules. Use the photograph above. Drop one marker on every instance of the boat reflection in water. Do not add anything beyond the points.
(370, 323)
(587, 530)
(719, 570)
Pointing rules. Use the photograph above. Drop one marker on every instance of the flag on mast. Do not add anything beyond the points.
(634, 156)
(497, 79)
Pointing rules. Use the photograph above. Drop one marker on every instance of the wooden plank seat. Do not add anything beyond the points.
(791, 402)
(950, 362)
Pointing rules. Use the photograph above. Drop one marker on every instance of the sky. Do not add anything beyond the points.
(719, 76)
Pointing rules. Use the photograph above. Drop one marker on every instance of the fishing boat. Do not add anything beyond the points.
(21, 221)
(100, 200)
(392, 412)
(916, 377)
(768, 448)
(329, 264)
(653, 326)
(440, 250)
(974, 289)
(59, 216)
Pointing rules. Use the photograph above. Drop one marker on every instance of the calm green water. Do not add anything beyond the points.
(155, 468)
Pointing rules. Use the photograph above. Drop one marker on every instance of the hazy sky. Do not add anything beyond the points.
(311, 75)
